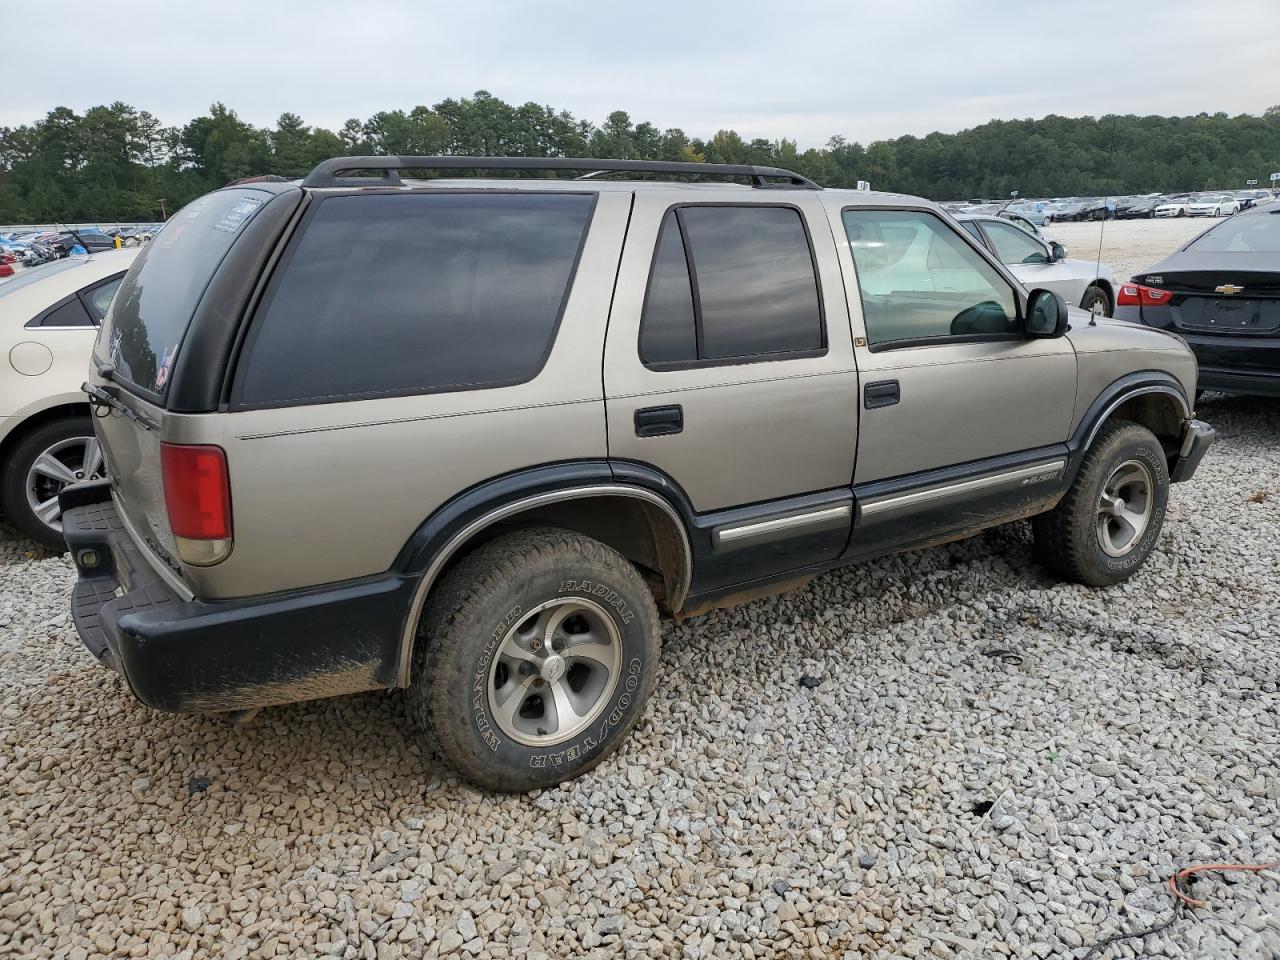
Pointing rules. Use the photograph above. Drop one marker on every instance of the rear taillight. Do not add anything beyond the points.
(197, 495)
(1136, 295)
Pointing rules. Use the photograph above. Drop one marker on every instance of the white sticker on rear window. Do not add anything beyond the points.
(234, 218)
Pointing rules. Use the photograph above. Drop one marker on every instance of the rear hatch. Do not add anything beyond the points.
(139, 350)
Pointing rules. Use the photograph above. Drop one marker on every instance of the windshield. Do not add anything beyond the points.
(149, 316)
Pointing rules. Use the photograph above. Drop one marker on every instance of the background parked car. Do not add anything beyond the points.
(1172, 207)
(1137, 207)
(1221, 293)
(49, 316)
(1213, 205)
(1039, 264)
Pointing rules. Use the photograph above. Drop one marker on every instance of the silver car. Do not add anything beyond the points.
(1037, 262)
(473, 437)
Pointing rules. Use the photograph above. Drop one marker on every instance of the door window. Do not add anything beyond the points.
(731, 284)
(919, 280)
(1013, 246)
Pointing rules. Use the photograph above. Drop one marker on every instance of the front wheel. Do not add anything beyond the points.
(535, 657)
(1096, 301)
(1107, 524)
(51, 457)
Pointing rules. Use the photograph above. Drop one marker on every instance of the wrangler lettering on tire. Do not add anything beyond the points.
(546, 691)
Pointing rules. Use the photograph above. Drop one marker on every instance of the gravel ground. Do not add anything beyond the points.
(925, 798)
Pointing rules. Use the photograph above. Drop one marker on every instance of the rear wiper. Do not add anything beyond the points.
(100, 398)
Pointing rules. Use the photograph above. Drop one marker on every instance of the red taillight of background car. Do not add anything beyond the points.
(1136, 295)
(197, 495)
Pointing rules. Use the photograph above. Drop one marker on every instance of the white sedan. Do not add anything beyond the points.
(49, 316)
(1171, 208)
(1213, 206)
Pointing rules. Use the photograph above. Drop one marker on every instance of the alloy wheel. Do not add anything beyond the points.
(66, 462)
(1124, 508)
(554, 672)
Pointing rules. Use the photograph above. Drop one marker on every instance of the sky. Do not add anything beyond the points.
(801, 70)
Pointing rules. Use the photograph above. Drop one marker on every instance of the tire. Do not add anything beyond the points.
(1095, 295)
(1069, 541)
(66, 440)
(507, 596)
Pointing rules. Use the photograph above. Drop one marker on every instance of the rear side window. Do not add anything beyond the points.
(141, 335)
(731, 284)
(69, 314)
(394, 294)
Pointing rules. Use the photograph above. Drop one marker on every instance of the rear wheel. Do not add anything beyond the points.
(535, 657)
(1096, 301)
(1108, 523)
(51, 457)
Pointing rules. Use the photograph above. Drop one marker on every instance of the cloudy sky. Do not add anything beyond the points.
(794, 68)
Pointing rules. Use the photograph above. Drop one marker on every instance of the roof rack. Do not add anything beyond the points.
(327, 173)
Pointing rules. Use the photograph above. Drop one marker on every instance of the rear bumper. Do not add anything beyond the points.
(190, 656)
(1197, 438)
(1259, 383)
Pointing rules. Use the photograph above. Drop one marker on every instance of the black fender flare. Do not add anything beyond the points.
(454, 524)
(1125, 388)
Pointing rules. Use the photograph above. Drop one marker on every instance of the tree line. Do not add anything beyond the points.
(119, 163)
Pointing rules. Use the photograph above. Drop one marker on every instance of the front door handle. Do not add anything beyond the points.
(659, 421)
(882, 393)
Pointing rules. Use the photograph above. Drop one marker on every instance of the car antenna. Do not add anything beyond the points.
(79, 239)
(1097, 266)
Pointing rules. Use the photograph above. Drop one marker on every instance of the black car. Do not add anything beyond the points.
(1137, 208)
(1221, 293)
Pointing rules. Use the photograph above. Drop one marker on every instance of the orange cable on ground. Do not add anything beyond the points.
(1212, 867)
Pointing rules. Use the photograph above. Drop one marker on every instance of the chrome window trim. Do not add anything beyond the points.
(404, 667)
(901, 501)
(754, 532)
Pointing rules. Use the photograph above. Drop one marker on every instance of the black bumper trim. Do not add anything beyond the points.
(1258, 383)
(196, 656)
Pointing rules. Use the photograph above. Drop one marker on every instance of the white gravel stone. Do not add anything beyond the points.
(1139, 732)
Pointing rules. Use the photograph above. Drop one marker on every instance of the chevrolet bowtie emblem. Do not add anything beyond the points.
(1228, 289)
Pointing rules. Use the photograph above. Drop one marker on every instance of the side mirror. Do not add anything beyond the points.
(1057, 252)
(1046, 314)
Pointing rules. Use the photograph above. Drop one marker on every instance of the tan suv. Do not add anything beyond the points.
(470, 436)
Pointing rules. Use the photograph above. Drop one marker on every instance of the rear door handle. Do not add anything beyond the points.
(659, 421)
(882, 393)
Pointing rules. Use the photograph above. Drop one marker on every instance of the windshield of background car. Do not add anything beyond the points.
(1246, 233)
(149, 316)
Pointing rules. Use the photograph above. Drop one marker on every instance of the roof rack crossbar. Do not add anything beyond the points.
(328, 172)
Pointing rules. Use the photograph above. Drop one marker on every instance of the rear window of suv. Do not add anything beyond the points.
(386, 295)
(149, 316)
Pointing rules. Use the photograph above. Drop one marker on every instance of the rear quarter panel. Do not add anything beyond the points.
(332, 491)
